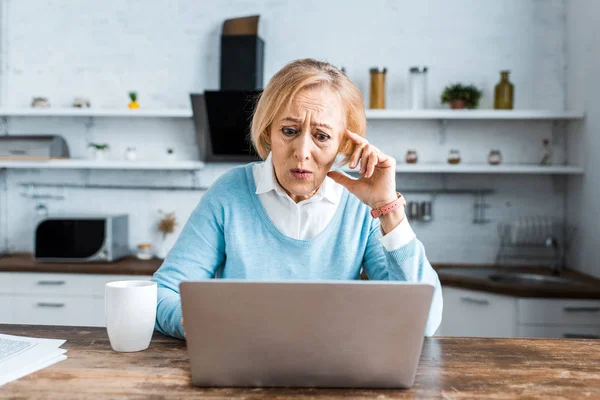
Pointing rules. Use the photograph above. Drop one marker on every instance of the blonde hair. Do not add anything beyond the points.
(289, 81)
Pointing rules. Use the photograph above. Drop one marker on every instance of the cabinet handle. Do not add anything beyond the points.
(53, 305)
(581, 309)
(54, 283)
(475, 301)
(580, 336)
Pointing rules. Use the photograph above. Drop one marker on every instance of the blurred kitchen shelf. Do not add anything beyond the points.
(523, 169)
(92, 164)
(96, 112)
(445, 114)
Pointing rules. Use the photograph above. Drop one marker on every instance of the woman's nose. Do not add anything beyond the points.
(302, 147)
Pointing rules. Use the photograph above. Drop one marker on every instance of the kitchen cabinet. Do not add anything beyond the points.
(477, 313)
(55, 298)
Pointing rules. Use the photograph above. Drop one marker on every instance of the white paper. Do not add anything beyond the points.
(22, 355)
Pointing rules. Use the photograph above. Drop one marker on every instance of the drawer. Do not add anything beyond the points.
(559, 312)
(65, 284)
(58, 310)
(6, 282)
(545, 331)
(474, 313)
(6, 309)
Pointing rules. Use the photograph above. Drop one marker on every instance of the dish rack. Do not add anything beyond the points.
(535, 240)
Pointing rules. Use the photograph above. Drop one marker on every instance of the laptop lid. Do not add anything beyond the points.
(304, 334)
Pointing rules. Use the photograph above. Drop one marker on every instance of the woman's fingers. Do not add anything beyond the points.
(356, 156)
(364, 158)
(372, 163)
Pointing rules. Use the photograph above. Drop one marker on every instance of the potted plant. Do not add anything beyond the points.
(133, 104)
(170, 154)
(99, 150)
(166, 226)
(461, 96)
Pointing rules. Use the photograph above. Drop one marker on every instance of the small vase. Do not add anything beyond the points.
(504, 93)
(99, 155)
(162, 249)
(458, 104)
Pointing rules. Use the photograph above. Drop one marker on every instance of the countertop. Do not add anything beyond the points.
(23, 262)
(449, 368)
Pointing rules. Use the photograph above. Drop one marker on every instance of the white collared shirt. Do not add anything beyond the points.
(304, 220)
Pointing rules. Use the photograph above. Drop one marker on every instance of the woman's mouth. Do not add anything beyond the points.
(299, 173)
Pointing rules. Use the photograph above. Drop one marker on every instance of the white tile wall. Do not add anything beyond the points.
(166, 49)
(584, 143)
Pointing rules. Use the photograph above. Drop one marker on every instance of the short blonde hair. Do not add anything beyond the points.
(291, 79)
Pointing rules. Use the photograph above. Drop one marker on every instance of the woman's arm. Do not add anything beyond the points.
(197, 254)
(403, 259)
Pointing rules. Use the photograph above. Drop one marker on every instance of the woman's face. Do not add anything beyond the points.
(305, 139)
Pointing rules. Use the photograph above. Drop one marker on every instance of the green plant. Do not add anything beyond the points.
(169, 151)
(468, 93)
(133, 96)
(99, 146)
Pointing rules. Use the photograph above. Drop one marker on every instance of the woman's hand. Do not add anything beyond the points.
(377, 186)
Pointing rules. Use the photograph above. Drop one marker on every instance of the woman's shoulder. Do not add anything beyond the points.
(231, 185)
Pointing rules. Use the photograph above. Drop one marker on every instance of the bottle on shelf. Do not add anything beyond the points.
(546, 153)
(504, 93)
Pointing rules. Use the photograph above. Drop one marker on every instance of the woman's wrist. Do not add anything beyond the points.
(390, 221)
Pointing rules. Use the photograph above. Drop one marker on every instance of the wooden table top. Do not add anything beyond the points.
(450, 368)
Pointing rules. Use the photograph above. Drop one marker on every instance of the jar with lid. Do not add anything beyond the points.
(454, 157)
(411, 157)
(377, 88)
(417, 87)
(495, 157)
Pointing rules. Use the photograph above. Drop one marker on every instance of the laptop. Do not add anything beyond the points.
(336, 334)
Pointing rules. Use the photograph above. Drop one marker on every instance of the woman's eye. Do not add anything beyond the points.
(288, 131)
(321, 137)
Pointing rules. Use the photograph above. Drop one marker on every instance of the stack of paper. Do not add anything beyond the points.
(22, 355)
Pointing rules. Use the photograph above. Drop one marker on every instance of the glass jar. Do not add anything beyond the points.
(411, 157)
(130, 154)
(144, 251)
(504, 93)
(417, 88)
(495, 157)
(377, 88)
(454, 157)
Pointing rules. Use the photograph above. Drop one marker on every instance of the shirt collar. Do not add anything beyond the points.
(267, 182)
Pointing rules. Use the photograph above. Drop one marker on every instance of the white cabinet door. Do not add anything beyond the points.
(6, 309)
(474, 313)
(36, 283)
(554, 331)
(571, 312)
(58, 310)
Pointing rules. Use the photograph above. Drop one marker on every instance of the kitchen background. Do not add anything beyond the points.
(165, 50)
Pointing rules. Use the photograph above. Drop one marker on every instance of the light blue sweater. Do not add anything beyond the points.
(229, 235)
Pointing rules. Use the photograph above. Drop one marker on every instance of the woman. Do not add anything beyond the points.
(291, 217)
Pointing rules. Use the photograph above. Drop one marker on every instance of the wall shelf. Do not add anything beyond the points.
(522, 169)
(430, 114)
(446, 114)
(96, 112)
(92, 164)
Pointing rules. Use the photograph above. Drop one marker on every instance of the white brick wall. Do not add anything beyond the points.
(166, 49)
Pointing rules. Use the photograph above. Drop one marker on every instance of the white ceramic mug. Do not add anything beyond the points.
(130, 314)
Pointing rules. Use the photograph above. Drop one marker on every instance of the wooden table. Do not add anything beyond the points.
(450, 368)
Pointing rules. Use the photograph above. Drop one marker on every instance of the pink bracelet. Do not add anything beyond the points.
(378, 212)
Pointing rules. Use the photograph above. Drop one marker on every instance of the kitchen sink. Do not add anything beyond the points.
(506, 276)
